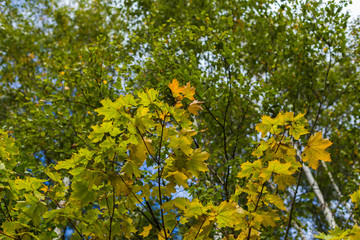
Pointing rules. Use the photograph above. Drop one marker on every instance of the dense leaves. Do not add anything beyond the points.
(140, 119)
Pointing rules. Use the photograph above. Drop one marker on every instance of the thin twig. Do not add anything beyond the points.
(157, 225)
(200, 228)
(69, 220)
(208, 109)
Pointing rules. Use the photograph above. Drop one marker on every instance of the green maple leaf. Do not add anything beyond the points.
(110, 109)
(131, 168)
(296, 130)
(249, 168)
(260, 149)
(148, 96)
(182, 142)
(11, 227)
(55, 176)
(54, 214)
(228, 214)
(35, 212)
(81, 194)
(269, 124)
(336, 234)
(67, 164)
(194, 209)
(180, 203)
(276, 200)
(197, 162)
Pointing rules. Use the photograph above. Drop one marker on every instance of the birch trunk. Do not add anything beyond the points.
(337, 189)
(315, 186)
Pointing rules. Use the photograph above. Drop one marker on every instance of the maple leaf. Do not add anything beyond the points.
(284, 180)
(179, 177)
(148, 96)
(315, 150)
(300, 117)
(264, 218)
(194, 209)
(131, 168)
(289, 116)
(355, 198)
(260, 149)
(161, 235)
(189, 91)
(138, 152)
(81, 194)
(109, 109)
(180, 92)
(197, 162)
(181, 142)
(98, 131)
(176, 89)
(180, 203)
(269, 124)
(297, 130)
(228, 214)
(195, 107)
(276, 167)
(146, 231)
(201, 229)
(276, 200)
(248, 168)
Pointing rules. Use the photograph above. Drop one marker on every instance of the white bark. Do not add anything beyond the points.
(326, 210)
(315, 186)
(331, 179)
(337, 189)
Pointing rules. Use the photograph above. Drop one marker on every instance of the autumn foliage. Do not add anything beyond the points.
(157, 119)
(140, 155)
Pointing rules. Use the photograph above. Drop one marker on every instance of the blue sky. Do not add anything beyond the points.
(354, 8)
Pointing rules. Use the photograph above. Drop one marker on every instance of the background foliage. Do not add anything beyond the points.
(64, 66)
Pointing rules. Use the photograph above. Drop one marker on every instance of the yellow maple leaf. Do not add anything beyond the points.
(269, 124)
(189, 91)
(195, 107)
(180, 178)
(276, 167)
(180, 92)
(284, 180)
(315, 150)
(355, 198)
(175, 88)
